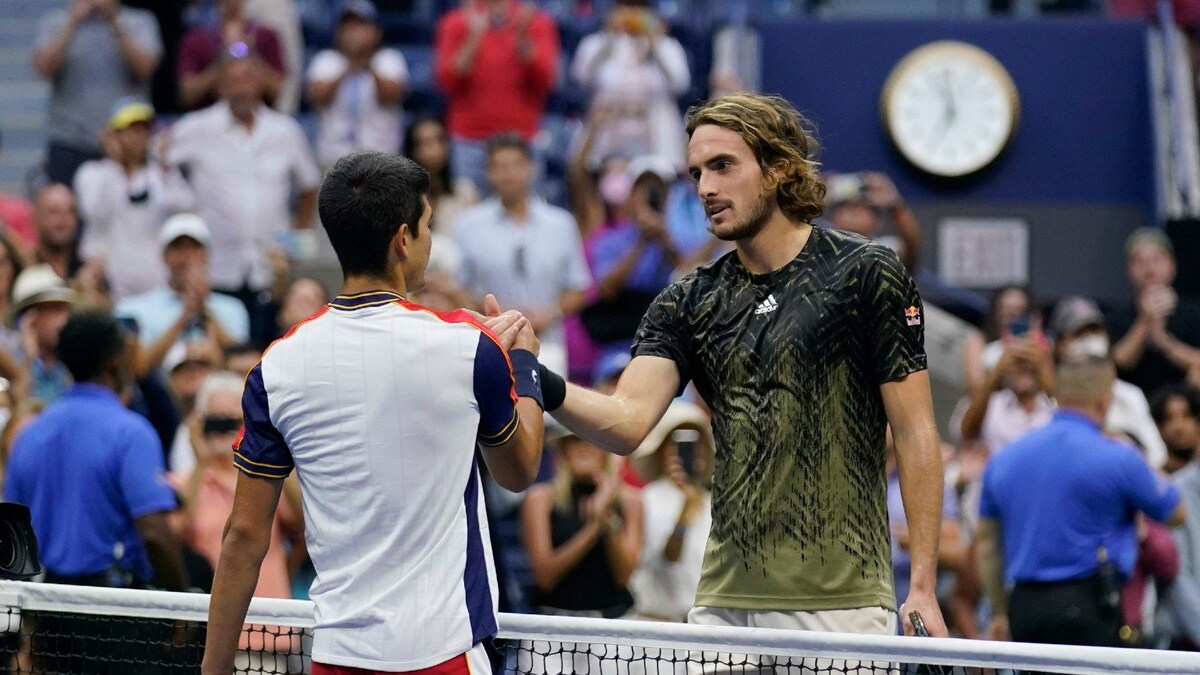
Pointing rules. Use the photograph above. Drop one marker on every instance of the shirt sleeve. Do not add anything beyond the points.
(260, 449)
(1145, 490)
(91, 197)
(390, 65)
(892, 316)
(144, 29)
(495, 393)
(143, 478)
(326, 65)
(988, 508)
(194, 53)
(266, 43)
(304, 165)
(49, 27)
(663, 332)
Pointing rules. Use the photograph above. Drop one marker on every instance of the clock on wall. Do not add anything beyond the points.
(950, 108)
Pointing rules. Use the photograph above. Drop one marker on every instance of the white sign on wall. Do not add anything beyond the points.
(983, 252)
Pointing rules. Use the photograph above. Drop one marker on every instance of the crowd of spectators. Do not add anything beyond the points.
(188, 229)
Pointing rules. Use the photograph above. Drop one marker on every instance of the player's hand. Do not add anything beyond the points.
(508, 327)
(926, 604)
(527, 339)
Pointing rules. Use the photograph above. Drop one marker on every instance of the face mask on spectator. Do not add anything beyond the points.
(615, 187)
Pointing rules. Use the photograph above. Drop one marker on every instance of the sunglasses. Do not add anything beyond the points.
(215, 426)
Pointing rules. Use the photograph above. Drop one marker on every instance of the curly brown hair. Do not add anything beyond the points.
(783, 141)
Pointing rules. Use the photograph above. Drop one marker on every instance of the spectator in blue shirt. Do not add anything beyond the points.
(1057, 517)
(92, 472)
(186, 310)
(632, 261)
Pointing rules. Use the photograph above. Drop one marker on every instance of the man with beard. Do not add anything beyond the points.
(805, 343)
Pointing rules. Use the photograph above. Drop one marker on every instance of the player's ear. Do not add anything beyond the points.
(402, 241)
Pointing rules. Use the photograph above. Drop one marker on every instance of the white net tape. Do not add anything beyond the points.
(545, 644)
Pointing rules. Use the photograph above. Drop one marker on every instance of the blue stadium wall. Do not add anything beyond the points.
(1079, 170)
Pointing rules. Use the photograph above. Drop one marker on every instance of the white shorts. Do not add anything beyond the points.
(864, 621)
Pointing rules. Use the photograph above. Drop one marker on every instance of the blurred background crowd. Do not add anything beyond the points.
(184, 142)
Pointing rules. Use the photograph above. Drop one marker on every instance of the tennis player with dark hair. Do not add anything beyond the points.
(806, 343)
(378, 404)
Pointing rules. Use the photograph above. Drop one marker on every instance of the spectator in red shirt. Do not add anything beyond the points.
(16, 218)
(497, 62)
(200, 56)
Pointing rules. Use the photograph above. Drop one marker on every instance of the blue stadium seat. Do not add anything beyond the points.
(406, 28)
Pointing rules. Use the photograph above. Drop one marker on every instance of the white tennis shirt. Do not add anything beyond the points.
(378, 404)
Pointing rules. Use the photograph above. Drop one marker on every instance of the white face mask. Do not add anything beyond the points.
(615, 187)
(5, 416)
(1089, 346)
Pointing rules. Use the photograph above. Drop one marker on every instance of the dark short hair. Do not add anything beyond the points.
(89, 341)
(364, 200)
(1162, 397)
(508, 140)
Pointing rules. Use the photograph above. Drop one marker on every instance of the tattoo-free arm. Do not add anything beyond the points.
(909, 408)
(620, 422)
(247, 538)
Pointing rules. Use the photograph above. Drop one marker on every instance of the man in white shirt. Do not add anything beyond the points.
(124, 200)
(357, 87)
(378, 404)
(1078, 320)
(184, 310)
(524, 250)
(242, 159)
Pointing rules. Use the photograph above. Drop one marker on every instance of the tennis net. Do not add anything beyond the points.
(50, 629)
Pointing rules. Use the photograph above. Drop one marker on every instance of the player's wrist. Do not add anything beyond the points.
(554, 388)
(526, 376)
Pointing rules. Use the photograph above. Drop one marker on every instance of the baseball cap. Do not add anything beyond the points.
(655, 164)
(184, 225)
(127, 111)
(39, 284)
(361, 9)
(1074, 313)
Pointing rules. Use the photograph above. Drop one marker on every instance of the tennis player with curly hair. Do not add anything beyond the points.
(805, 343)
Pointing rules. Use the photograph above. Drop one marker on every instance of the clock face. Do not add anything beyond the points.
(950, 108)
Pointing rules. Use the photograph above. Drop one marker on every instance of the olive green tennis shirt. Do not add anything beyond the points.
(791, 363)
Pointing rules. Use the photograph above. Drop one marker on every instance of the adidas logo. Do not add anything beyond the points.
(767, 306)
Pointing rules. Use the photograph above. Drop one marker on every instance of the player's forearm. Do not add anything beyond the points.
(521, 455)
(920, 462)
(236, 576)
(607, 421)
(991, 566)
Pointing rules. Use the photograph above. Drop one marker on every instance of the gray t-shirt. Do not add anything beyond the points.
(93, 76)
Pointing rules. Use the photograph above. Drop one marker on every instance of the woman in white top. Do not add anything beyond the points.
(636, 69)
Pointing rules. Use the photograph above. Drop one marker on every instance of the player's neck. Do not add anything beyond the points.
(366, 283)
(776, 245)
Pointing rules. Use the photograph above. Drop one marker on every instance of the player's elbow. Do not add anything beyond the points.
(244, 539)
